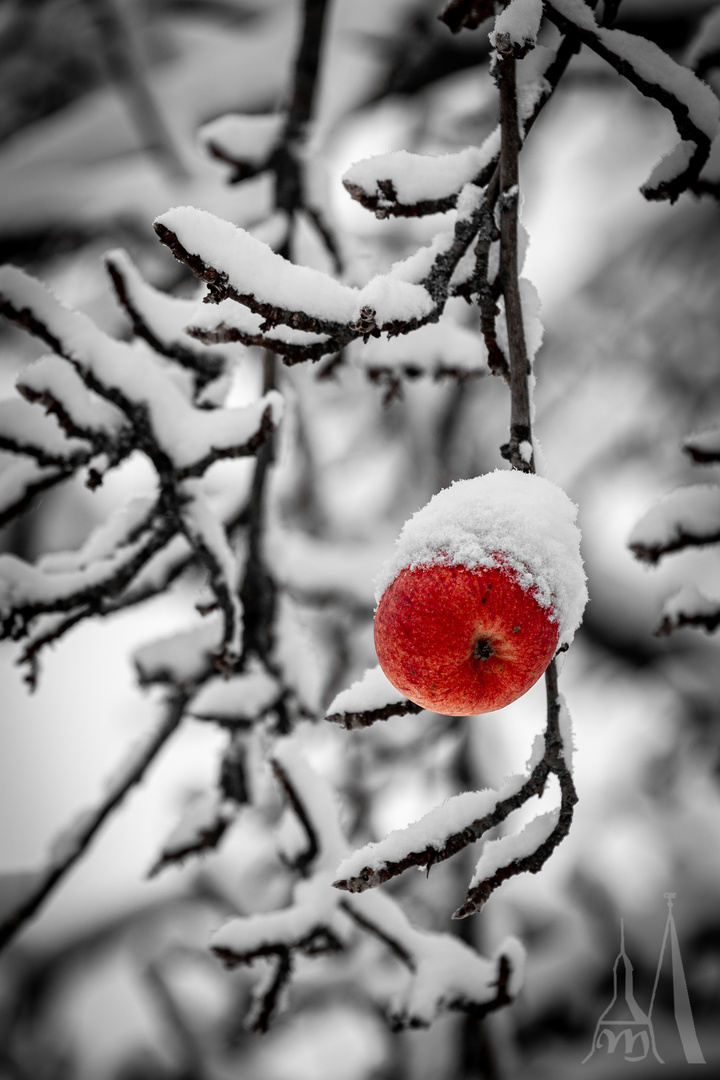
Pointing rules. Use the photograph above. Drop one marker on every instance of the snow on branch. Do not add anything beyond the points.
(402, 184)
(27, 591)
(689, 607)
(516, 28)
(238, 701)
(181, 658)
(25, 430)
(444, 973)
(111, 399)
(371, 698)
(692, 104)
(686, 517)
(228, 321)
(703, 447)
(133, 381)
(442, 349)
(467, 817)
(235, 264)
(245, 142)
(160, 319)
(200, 829)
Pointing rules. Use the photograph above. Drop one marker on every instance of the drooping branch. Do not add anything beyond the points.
(555, 757)
(691, 103)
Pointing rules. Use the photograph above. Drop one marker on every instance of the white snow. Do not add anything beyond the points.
(693, 511)
(672, 164)
(296, 655)
(520, 21)
(420, 177)
(433, 348)
(241, 697)
(86, 409)
(431, 830)
(202, 815)
(186, 433)
(247, 138)
(653, 65)
(566, 732)
(310, 564)
(507, 849)
(532, 325)
(203, 525)
(689, 602)
(519, 520)
(165, 315)
(182, 657)
(373, 690)
(314, 908)
(706, 442)
(316, 795)
(444, 969)
(254, 269)
(103, 541)
(28, 426)
(22, 583)
(208, 317)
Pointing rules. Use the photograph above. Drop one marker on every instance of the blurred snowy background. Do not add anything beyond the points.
(113, 979)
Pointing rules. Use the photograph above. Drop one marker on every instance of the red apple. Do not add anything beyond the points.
(462, 640)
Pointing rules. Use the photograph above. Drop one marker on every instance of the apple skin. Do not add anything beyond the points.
(461, 640)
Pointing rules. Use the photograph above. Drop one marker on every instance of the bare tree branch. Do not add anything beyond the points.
(73, 843)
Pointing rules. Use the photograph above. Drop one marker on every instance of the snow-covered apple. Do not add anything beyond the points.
(486, 584)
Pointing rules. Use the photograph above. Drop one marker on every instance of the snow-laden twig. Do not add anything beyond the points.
(466, 818)
(689, 607)
(691, 103)
(371, 698)
(686, 517)
(160, 319)
(117, 399)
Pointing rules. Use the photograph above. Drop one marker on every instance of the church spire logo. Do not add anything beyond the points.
(624, 1026)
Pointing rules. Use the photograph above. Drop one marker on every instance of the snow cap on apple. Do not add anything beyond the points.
(486, 584)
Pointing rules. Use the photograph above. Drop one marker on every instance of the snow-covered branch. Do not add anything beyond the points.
(111, 399)
(443, 972)
(466, 818)
(691, 103)
(686, 517)
(371, 698)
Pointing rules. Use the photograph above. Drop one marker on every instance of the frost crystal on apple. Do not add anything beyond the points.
(506, 518)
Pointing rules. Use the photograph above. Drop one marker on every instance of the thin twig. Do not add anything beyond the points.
(520, 434)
